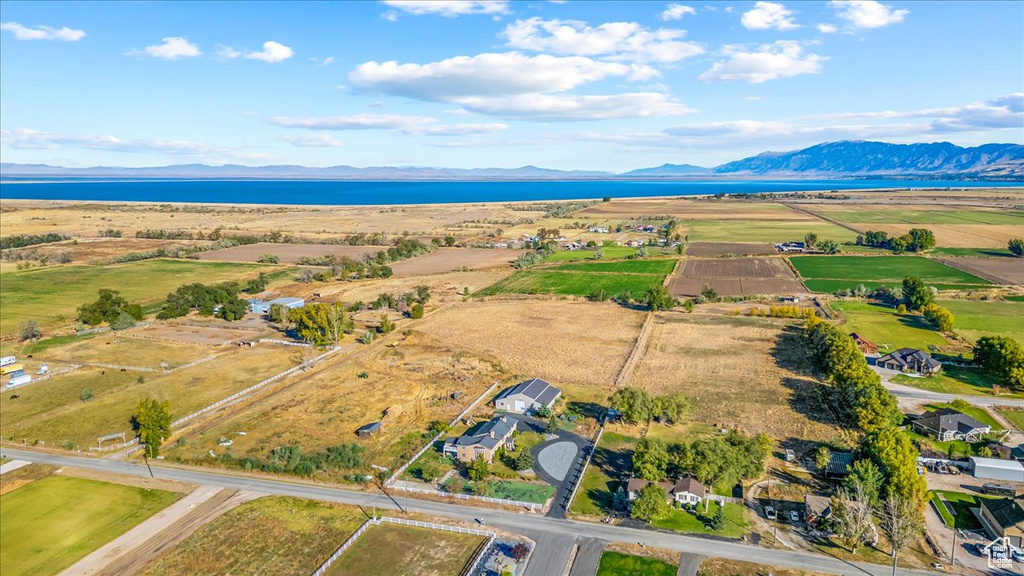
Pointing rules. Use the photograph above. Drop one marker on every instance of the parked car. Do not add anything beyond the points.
(769, 513)
(794, 516)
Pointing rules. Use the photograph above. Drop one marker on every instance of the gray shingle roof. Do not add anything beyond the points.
(1006, 511)
(910, 357)
(948, 419)
(490, 435)
(535, 388)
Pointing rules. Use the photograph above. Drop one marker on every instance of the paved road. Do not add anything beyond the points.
(588, 558)
(928, 397)
(554, 537)
(13, 465)
(689, 564)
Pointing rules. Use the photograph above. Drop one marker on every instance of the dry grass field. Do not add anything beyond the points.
(414, 380)
(444, 288)
(396, 549)
(111, 348)
(735, 277)
(737, 372)
(88, 219)
(561, 341)
(101, 250)
(186, 331)
(290, 253)
(717, 249)
(999, 270)
(691, 209)
(448, 259)
(187, 390)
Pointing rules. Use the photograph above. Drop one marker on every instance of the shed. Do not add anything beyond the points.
(996, 469)
(839, 464)
(369, 430)
(527, 396)
(257, 306)
(19, 378)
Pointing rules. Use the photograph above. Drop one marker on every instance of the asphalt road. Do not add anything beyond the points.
(554, 537)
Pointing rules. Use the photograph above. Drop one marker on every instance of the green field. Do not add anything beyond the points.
(611, 460)
(617, 564)
(868, 269)
(883, 326)
(573, 284)
(953, 380)
(660, 266)
(395, 549)
(52, 295)
(271, 536)
(909, 216)
(697, 522)
(976, 252)
(977, 318)
(1013, 416)
(50, 524)
(764, 231)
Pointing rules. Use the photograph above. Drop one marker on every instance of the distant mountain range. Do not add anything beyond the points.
(846, 159)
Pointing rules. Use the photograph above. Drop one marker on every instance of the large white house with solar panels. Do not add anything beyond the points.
(527, 396)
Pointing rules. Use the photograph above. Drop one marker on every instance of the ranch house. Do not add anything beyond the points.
(257, 306)
(867, 347)
(683, 491)
(947, 424)
(527, 396)
(485, 441)
(910, 360)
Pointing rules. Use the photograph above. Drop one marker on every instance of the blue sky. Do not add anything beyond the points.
(576, 84)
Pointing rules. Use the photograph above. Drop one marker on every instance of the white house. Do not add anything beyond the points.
(527, 396)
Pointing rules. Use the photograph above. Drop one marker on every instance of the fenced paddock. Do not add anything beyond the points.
(477, 554)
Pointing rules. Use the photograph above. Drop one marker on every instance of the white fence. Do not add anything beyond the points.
(431, 525)
(191, 364)
(398, 473)
(533, 506)
(285, 342)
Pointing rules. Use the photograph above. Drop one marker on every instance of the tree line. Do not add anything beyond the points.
(916, 240)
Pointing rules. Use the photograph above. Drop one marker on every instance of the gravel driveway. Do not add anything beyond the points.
(557, 458)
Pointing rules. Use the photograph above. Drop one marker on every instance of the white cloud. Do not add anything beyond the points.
(768, 16)
(619, 41)
(783, 59)
(272, 52)
(676, 12)
(828, 28)
(491, 74)
(173, 48)
(754, 99)
(571, 107)
(413, 125)
(1004, 112)
(64, 34)
(867, 13)
(312, 141)
(447, 8)
(326, 61)
(28, 139)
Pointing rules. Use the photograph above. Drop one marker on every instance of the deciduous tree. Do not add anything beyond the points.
(651, 504)
(152, 422)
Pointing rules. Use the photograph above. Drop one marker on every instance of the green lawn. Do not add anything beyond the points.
(764, 231)
(911, 217)
(698, 522)
(612, 459)
(976, 252)
(52, 295)
(962, 504)
(617, 564)
(882, 325)
(521, 491)
(659, 266)
(953, 380)
(873, 271)
(574, 284)
(1013, 416)
(51, 523)
(977, 318)
(976, 412)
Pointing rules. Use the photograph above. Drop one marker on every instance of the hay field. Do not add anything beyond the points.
(117, 348)
(717, 249)
(443, 287)
(271, 536)
(737, 372)
(396, 549)
(562, 342)
(735, 277)
(58, 394)
(690, 209)
(52, 295)
(832, 273)
(185, 331)
(413, 379)
(88, 219)
(101, 250)
(448, 259)
(1005, 270)
(290, 253)
(187, 391)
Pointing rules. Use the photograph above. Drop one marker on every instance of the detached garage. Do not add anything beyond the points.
(527, 396)
(996, 469)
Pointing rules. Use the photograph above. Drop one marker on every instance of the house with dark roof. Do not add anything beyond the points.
(946, 424)
(684, 490)
(527, 396)
(839, 464)
(485, 441)
(867, 347)
(910, 360)
(817, 508)
(1002, 518)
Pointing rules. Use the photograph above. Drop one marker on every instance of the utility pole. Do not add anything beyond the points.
(952, 552)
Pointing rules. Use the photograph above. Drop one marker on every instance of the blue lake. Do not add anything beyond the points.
(352, 192)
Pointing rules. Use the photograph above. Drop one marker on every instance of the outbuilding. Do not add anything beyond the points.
(996, 469)
(527, 396)
(19, 378)
(369, 430)
(257, 306)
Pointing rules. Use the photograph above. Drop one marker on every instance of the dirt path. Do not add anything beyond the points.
(636, 353)
(13, 465)
(133, 550)
(822, 217)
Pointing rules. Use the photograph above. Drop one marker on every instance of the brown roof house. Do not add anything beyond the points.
(485, 441)
(1003, 518)
(683, 491)
(817, 508)
(910, 360)
(946, 424)
(866, 346)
